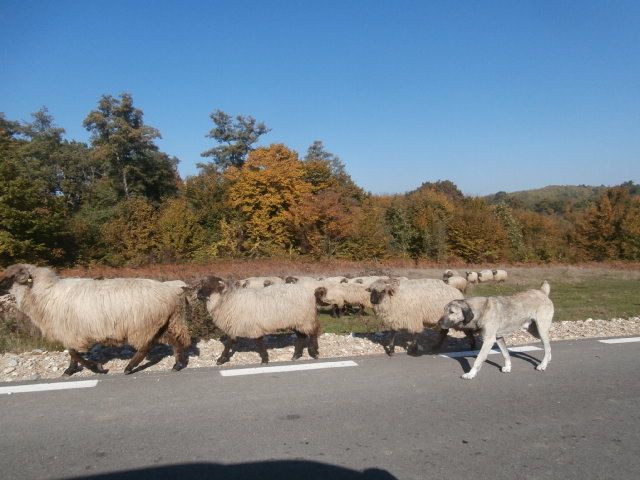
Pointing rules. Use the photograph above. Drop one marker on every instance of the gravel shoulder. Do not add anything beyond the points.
(39, 364)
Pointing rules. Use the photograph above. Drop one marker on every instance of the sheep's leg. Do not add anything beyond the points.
(178, 353)
(137, 358)
(300, 340)
(391, 346)
(262, 350)
(226, 353)
(412, 348)
(77, 358)
(335, 311)
(313, 346)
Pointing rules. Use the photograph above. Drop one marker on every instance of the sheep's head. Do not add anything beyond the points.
(16, 274)
(495, 272)
(381, 288)
(320, 294)
(344, 280)
(447, 274)
(211, 285)
(291, 279)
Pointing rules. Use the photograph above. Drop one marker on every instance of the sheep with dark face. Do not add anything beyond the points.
(411, 306)
(254, 313)
(82, 312)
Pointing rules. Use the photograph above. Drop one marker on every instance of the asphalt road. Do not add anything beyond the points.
(386, 418)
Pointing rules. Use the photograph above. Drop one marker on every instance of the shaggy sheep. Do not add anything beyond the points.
(472, 277)
(457, 282)
(259, 282)
(254, 313)
(344, 295)
(485, 276)
(411, 306)
(176, 283)
(499, 275)
(82, 312)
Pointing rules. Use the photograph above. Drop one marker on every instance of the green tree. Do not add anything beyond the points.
(235, 139)
(125, 146)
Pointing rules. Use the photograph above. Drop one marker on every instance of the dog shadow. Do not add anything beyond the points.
(466, 364)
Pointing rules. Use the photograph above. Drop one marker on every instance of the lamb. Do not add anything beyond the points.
(458, 282)
(411, 306)
(485, 276)
(254, 313)
(472, 277)
(499, 275)
(82, 312)
(259, 282)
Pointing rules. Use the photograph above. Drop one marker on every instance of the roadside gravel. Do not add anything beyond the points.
(38, 364)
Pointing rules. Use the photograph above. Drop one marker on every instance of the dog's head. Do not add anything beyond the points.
(457, 314)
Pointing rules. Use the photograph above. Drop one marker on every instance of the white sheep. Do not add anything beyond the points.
(485, 276)
(342, 295)
(254, 313)
(411, 306)
(450, 273)
(259, 282)
(499, 275)
(82, 312)
(472, 277)
(458, 282)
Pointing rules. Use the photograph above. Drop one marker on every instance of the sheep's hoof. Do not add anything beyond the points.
(264, 361)
(70, 371)
(296, 356)
(128, 371)
(177, 367)
(222, 360)
(98, 368)
(388, 351)
(413, 351)
(313, 355)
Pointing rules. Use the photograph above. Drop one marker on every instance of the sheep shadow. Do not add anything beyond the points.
(265, 470)
(104, 353)
(427, 342)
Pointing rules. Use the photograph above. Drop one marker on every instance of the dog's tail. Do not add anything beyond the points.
(546, 288)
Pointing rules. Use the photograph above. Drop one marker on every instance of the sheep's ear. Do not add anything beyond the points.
(344, 280)
(267, 283)
(367, 290)
(392, 291)
(23, 277)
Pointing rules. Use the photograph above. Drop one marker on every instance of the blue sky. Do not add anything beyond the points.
(492, 95)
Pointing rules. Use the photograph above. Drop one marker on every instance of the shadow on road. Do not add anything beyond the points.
(276, 469)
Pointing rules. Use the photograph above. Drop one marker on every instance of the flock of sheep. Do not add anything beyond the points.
(82, 312)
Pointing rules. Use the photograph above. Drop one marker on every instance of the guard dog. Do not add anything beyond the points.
(495, 317)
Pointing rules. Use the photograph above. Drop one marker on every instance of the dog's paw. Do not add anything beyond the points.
(468, 375)
(506, 369)
(541, 368)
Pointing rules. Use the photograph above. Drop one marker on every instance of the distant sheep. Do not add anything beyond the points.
(499, 275)
(367, 281)
(472, 277)
(450, 273)
(82, 312)
(411, 306)
(458, 282)
(328, 280)
(254, 313)
(485, 276)
(259, 282)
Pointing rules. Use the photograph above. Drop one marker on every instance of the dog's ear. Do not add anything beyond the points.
(467, 313)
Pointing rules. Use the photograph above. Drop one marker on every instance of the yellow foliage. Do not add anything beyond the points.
(265, 190)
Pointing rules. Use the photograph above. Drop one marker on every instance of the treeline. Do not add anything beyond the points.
(120, 201)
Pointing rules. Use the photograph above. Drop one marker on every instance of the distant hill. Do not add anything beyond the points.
(554, 198)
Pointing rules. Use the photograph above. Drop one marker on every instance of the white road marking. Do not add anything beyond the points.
(287, 368)
(473, 353)
(621, 340)
(43, 387)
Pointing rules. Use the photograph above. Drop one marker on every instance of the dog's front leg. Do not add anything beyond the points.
(505, 354)
(487, 343)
